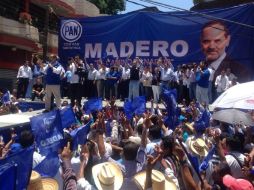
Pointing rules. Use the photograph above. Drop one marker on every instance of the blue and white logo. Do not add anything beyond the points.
(48, 123)
(71, 30)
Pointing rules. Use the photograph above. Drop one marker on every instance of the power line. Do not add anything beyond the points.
(137, 3)
(192, 20)
(197, 13)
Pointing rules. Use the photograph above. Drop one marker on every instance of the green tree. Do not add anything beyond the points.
(111, 7)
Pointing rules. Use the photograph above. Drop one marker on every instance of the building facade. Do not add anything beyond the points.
(22, 30)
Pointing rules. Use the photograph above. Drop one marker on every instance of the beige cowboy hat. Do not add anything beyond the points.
(159, 181)
(190, 126)
(107, 176)
(198, 147)
(38, 183)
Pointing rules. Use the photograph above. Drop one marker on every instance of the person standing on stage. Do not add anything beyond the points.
(24, 75)
(123, 85)
(202, 78)
(53, 71)
(75, 92)
(101, 78)
(134, 79)
(91, 82)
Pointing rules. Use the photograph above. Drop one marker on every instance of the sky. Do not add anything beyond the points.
(185, 4)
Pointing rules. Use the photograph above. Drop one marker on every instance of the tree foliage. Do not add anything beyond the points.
(110, 7)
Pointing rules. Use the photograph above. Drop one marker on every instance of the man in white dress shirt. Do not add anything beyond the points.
(167, 75)
(91, 88)
(230, 75)
(221, 83)
(24, 75)
(75, 86)
(123, 86)
(101, 78)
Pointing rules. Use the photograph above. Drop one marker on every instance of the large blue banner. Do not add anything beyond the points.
(148, 35)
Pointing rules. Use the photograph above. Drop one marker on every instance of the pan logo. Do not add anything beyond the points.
(71, 30)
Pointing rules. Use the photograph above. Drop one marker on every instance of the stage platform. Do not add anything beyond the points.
(18, 119)
(21, 119)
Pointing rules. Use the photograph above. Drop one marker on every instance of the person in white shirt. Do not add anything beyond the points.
(123, 86)
(186, 83)
(24, 75)
(233, 83)
(100, 79)
(156, 84)
(166, 75)
(74, 82)
(146, 80)
(230, 75)
(221, 83)
(192, 79)
(91, 88)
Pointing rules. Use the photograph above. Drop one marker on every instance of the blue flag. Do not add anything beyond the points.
(169, 97)
(206, 115)
(68, 117)
(79, 135)
(6, 99)
(23, 159)
(139, 105)
(127, 109)
(136, 106)
(92, 105)
(203, 122)
(204, 165)
(8, 175)
(49, 166)
(194, 162)
(48, 131)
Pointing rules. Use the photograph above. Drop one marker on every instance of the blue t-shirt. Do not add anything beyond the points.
(112, 74)
(203, 79)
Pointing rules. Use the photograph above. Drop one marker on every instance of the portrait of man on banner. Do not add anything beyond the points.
(215, 39)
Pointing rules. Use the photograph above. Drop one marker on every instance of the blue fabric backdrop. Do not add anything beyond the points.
(146, 32)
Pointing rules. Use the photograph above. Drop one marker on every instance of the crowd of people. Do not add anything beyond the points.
(126, 80)
(144, 152)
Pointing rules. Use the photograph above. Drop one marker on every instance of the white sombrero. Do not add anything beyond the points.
(159, 181)
(107, 176)
(198, 147)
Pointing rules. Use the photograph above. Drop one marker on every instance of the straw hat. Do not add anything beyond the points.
(107, 176)
(190, 126)
(198, 147)
(159, 181)
(136, 140)
(38, 183)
